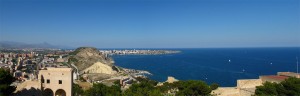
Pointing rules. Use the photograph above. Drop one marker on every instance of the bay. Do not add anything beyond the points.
(214, 65)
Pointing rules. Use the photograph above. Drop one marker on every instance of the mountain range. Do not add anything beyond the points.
(19, 45)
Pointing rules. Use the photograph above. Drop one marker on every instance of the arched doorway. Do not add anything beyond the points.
(60, 92)
(47, 92)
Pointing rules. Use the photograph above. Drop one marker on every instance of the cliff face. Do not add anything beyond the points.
(89, 60)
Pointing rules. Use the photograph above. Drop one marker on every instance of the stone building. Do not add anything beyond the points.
(51, 82)
(56, 81)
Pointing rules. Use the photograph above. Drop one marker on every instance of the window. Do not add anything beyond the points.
(42, 80)
(59, 81)
(48, 81)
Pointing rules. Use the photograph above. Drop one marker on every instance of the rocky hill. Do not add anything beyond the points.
(89, 60)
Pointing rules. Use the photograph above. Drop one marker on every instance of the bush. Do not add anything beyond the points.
(214, 86)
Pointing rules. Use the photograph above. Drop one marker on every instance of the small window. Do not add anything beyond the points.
(59, 81)
(48, 81)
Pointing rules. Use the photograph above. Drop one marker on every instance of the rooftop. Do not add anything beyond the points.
(275, 77)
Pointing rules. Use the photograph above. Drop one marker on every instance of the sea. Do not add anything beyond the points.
(214, 65)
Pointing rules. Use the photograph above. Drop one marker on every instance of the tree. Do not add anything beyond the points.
(103, 90)
(288, 87)
(77, 90)
(169, 87)
(5, 80)
(32, 91)
(117, 82)
(145, 87)
(193, 88)
(114, 90)
(291, 86)
(152, 82)
(268, 88)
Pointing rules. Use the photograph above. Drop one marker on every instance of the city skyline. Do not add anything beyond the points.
(152, 24)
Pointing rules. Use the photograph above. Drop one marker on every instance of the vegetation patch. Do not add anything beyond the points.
(289, 87)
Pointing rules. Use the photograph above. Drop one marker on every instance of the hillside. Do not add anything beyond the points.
(90, 60)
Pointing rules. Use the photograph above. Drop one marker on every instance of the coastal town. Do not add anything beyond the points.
(28, 65)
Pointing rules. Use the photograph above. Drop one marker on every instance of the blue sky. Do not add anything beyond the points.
(152, 23)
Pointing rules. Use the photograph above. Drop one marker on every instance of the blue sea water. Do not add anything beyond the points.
(214, 65)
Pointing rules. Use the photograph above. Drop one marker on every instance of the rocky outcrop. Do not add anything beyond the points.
(90, 60)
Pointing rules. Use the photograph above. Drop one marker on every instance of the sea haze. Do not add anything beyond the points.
(220, 65)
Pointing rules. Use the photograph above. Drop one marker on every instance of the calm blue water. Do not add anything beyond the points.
(212, 64)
